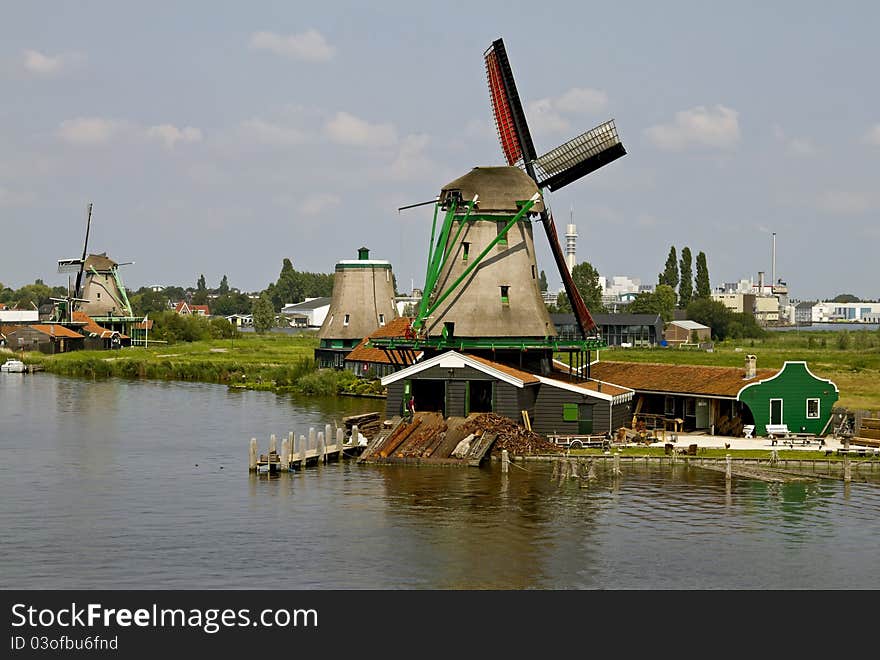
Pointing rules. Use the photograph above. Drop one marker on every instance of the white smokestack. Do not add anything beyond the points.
(571, 236)
(773, 262)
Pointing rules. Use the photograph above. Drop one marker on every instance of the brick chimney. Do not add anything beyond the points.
(751, 367)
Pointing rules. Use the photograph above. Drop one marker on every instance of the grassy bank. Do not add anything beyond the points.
(286, 362)
(266, 362)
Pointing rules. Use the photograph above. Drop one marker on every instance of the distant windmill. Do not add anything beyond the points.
(557, 168)
(98, 287)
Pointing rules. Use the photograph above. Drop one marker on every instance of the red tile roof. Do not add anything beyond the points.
(676, 378)
(93, 328)
(55, 330)
(365, 353)
(524, 376)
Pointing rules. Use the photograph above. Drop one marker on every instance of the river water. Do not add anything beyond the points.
(122, 484)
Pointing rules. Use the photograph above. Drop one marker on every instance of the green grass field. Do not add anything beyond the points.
(277, 359)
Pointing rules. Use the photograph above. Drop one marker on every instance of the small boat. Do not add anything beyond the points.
(13, 366)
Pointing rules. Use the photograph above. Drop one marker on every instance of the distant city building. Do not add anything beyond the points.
(827, 312)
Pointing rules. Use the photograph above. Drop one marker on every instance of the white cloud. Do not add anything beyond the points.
(9, 198)
(582, 100)
(90, 130)
(265, 132)
(873, 135)
(171, 135)
(320, 202)
(646, 220)
(411, 162)
(47, 65)
(801, 146)
(476, 128)
(344, 128)
(716, 127)
(310, 45)
(846, 202)
(548, 115)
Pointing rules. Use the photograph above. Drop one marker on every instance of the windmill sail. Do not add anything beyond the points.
(555, 169)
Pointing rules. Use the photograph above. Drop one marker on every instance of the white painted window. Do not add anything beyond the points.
(381, 319)
(345, 319)
(813, 407)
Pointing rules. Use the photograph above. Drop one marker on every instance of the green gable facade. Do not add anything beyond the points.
(794, 397)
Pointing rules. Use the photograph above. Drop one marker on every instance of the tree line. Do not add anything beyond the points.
(292, 286)
(678, 287)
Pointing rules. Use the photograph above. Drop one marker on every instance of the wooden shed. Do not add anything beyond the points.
(686, 332)
(457, 384)
(46, 338)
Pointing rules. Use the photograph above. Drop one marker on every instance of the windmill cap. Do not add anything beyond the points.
(499, 189)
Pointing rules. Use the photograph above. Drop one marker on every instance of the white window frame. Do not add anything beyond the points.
(382, 320)
(346, 319)
(818, 414)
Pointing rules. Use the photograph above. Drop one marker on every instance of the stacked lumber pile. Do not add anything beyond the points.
(513, 437)
(868, 433)
(369, 424)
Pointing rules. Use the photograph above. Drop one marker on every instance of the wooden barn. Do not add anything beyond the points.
(456, 384)
(686, 332)
(48, 338)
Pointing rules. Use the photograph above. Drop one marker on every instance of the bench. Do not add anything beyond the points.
(775, 431)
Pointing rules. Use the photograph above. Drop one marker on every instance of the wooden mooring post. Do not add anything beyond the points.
(318, 448)
(505, 461)
(728, 468)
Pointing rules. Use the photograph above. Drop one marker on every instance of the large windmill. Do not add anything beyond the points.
(481, 292)
(555, 169)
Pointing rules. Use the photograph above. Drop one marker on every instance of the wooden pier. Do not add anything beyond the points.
(295, 453)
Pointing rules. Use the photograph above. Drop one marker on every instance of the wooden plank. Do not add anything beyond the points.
(394, 442)
(868, 433)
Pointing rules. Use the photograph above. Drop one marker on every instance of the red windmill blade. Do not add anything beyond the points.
(557, 168)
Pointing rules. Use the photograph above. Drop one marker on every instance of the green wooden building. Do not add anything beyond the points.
(794, 396)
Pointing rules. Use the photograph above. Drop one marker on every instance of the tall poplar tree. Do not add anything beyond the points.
(686, 275)
(703, 289)
(669, 275)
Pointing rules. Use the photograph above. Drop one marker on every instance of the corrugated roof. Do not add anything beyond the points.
(690, 325)
(308, 304)
(676, 378)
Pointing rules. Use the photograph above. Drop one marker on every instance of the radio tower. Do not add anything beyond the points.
(571, 236)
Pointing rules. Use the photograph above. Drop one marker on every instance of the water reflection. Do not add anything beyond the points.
(141, 484)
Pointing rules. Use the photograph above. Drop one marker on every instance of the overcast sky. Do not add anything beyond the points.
(221, 137)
